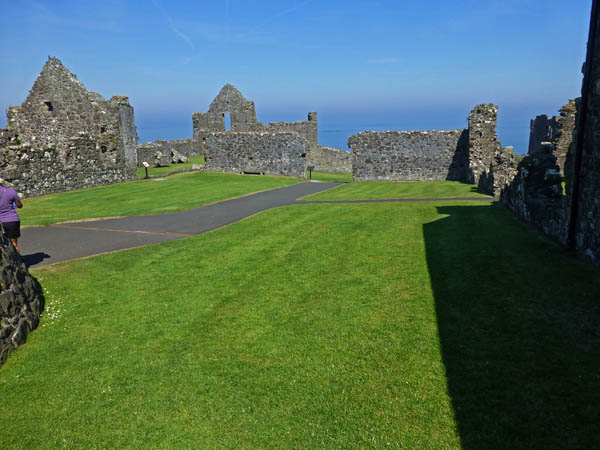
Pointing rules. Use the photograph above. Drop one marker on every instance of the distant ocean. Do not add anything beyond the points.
(335, 129)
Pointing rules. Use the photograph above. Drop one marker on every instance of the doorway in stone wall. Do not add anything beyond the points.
(227, 117)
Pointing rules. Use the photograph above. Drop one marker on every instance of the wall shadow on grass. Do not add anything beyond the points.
(519, 327)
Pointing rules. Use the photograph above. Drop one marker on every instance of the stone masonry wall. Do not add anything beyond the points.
(307, 129)
(407, 155)
(587, 220)
(329, 159)
(21, 299)
(228, 101)
(256, 152)
(36, 171)
(161, 153)
(502, 170)
(461, 155)
(541, 129)
(155, 153)
(185, 147)
(557, 130)
(243, 119)
(483, 140)
(535, 193)
(52, 120)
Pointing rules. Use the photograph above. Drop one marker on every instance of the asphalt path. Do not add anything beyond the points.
(65, 241)
(48, 245)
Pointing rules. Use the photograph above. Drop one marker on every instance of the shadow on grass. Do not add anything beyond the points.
(519, 327)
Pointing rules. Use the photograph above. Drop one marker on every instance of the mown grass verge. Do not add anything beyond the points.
(375, 190)
(171, 168)
(330, 176)
(177, 192)
(423, 325)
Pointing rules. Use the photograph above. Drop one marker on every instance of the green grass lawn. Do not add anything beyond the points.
(330, 176)
(162, 171)
(375, 190)
(177, 192)
(421, 325)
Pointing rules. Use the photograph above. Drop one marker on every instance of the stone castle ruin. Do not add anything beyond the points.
(232, 140)
(230, 103)
(64, 137)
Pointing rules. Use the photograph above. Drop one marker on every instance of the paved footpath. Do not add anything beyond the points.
(55, 243)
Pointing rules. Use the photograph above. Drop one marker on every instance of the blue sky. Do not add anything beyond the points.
(389, 64)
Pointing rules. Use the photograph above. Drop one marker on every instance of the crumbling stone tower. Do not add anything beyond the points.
(64, 137)
(483, 140)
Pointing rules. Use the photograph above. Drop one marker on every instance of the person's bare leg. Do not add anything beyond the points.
(14, 242)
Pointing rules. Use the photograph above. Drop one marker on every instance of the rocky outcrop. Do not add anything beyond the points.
(21, 299)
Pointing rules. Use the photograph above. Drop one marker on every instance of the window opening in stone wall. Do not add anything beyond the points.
(227, 117)
(102, 129)
(49, 106)
(103, 149)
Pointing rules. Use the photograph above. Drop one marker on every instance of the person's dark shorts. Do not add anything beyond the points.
(12, 229)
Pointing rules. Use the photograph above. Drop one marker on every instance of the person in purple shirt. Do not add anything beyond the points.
(9, 202)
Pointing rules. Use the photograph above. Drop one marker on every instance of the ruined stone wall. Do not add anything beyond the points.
(483, 140)
(587, 220)
(185, 147)
(37, 171)
(541, 129)
(407, 155)
(307, 129)
(329, 159)
(57, 111)
(557, 130)
(502, 170)
(536, 194)
(228, 101)
(161, 153)
(257, 152)
(21, 299)
(156, 153)
(242, 115)
(461, 155)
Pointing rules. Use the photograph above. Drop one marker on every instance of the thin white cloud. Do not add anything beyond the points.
(184, 37)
